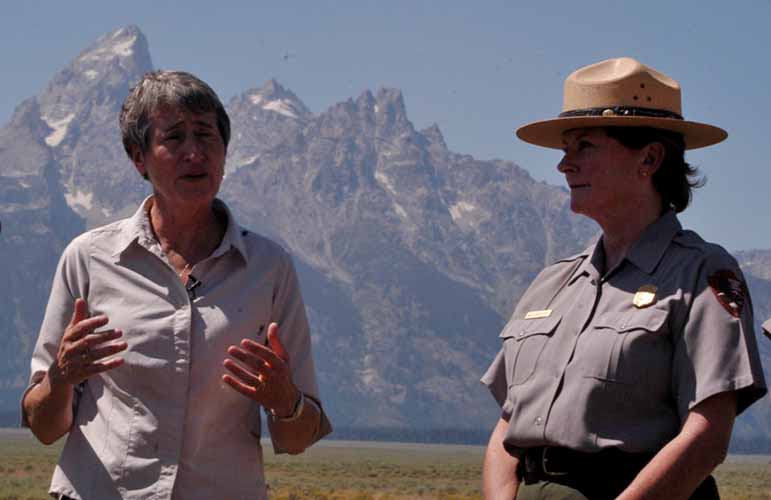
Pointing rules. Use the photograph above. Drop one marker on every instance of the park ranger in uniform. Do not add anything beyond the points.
(622, 368)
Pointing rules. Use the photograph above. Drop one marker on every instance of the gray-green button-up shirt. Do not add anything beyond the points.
(591, 361)
(163, 425)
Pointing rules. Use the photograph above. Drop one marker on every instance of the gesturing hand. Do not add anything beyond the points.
(82, 348)
(263, 374)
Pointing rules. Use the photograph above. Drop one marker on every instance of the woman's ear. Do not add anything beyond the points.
(138, 158)
(652, 158)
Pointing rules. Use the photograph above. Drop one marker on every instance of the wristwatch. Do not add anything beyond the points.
(296, 412)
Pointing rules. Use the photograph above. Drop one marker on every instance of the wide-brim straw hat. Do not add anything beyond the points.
(620, 92)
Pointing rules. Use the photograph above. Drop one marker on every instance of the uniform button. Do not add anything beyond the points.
(538, 420)
(521, 334)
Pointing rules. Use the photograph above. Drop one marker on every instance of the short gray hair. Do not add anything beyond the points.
(158, 89)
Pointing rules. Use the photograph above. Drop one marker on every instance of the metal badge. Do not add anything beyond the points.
(544, 313)
(645, 296)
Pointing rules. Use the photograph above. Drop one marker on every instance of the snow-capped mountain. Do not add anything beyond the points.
(410, 255)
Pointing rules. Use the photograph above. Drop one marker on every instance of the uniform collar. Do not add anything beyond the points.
(654, 241)
(587, 266)
(645, 254)
(137, 230)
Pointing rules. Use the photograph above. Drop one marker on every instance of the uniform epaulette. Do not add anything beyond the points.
(688, 238)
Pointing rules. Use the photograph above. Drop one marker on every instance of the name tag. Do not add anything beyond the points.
(545, 313)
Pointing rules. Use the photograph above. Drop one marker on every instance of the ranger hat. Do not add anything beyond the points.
(620, 93)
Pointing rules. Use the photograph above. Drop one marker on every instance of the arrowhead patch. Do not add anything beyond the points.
(729, 290)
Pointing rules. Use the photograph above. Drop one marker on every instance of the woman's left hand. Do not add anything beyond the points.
(263, 373)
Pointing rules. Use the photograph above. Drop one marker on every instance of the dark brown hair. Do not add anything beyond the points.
(675, 179)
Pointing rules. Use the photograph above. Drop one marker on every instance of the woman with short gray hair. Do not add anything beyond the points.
(165, 333)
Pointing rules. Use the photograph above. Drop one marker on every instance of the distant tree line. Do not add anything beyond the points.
(412, 435)
(750, 446)
(9, 418)
(741, 446)
(744, 446)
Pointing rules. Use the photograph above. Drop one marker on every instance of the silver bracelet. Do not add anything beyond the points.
(296, 412)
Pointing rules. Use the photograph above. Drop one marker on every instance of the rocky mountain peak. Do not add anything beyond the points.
(272, 96)
(410, 256)
(100, 76)
(366, 100)
(390, 103)
(391, 115)
(434, 136)
(125, 48)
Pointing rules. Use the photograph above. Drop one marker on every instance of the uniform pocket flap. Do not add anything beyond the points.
(640, 319)
(520, 329)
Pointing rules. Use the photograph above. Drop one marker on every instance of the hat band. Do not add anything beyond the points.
(621, 111)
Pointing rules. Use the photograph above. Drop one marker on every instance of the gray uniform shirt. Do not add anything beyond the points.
(163, 425)
(591, 362)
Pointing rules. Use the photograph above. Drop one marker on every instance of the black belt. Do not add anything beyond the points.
(601, 475)
(548, 463)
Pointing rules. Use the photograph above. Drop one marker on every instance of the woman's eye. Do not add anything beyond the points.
(172, 138)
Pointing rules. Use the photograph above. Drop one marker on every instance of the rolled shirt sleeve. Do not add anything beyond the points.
(70, 282)
(289, 313)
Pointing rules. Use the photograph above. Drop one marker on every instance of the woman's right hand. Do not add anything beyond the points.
(48, 405)
(82, 349)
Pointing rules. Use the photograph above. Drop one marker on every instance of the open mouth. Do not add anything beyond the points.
(195, 177)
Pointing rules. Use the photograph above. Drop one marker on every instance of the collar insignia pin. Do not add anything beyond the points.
(645, 296)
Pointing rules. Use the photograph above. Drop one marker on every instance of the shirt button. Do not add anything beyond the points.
(538, 420)
(521, 334)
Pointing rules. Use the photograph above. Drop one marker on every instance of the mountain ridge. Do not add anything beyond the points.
(411, 256)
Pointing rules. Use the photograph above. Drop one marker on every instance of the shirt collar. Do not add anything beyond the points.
(654, 241)
(645, 254)
(234, 234)
(587, 266)
(137, 230)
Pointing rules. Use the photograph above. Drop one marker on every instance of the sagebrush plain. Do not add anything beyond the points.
(354, 470)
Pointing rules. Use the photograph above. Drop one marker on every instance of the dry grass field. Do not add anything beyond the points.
(347, 470)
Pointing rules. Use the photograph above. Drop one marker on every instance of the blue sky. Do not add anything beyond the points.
(478, 69)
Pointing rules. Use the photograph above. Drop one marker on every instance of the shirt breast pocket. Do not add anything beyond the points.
(626, 346)
(524, 341)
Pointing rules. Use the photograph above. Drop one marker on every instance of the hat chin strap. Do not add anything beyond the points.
(621, 111)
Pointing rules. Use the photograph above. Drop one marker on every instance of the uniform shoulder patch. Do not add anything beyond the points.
(729, 289)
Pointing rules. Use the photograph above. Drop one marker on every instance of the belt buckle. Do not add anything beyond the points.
(545, 460)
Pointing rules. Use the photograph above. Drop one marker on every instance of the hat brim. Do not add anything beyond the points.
(548, 133)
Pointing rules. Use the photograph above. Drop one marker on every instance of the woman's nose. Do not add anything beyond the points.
(193, 149)
(565, 166)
